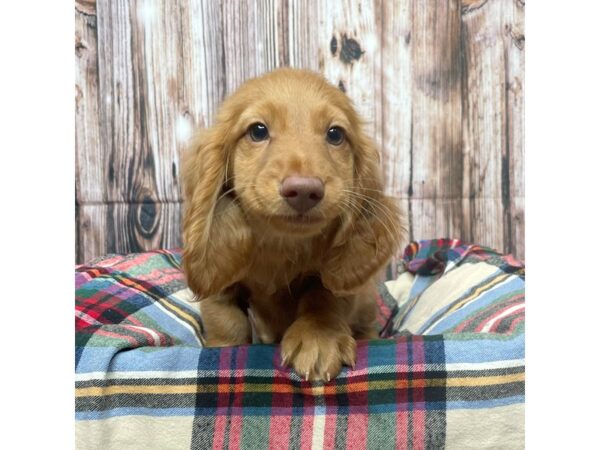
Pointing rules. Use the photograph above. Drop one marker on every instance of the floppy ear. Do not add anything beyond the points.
(217, 239)
(370, 234)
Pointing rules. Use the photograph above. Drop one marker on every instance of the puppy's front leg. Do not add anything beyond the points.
(225, 322)
(320, 340)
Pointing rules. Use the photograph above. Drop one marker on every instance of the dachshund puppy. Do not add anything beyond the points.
(286, 224)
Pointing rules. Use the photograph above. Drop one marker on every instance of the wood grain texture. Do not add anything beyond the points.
(349, 35)
(493, 68)
(396, 97)
(160, 71)
(436, 131)
(395, 74)
(106, 228)
(301, 43)
(89, 163)
(439, 83)
(261, 36)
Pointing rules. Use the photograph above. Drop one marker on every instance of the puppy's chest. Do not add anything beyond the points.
(274, 267)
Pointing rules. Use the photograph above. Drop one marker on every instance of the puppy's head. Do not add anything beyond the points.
(296, 151)
(288, 155)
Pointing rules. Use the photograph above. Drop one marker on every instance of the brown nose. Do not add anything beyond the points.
(302, 193)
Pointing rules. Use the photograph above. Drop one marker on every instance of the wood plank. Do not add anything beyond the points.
(484, 126)
(160, 75)
(119, 116)
(350, 55)
(492, 125)
(91, 233)
(201, 83)
(127, 228)
(436, 156)
(141, 110)
(395, 73)
(515, 33)
(396, 99)
(435, 218)
(514, 38)
(517, 211)
(261, 36)
(159, 88)
(392, 268)
(89, 163)
(432, 220)
(251, 42)
(184, 80)
(299, 27)
(485, 218)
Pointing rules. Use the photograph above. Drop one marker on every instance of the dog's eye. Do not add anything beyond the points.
(258, 132)
(335, 136)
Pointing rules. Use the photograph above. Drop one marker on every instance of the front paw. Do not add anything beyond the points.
(317, 352)
(224, 323)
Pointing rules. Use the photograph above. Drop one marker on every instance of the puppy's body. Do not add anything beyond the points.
(282, 271)
(285, 214)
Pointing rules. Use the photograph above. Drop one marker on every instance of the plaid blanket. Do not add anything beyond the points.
(448, 371)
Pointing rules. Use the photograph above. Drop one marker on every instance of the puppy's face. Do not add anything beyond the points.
(292, 164)
(286, 155)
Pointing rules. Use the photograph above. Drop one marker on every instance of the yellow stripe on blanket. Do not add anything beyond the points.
(314, 390)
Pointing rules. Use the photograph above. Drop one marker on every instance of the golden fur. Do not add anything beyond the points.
(308, 279)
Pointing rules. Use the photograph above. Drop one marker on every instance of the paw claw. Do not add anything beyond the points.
(320, 354)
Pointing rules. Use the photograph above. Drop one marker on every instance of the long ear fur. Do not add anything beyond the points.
(371, 234)
(217, 240)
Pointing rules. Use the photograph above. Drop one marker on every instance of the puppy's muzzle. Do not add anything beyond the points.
(302, 193)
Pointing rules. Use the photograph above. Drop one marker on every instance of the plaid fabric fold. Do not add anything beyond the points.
(449, 375)
(438, 255)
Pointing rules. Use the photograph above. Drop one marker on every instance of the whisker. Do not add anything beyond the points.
(356, 209)
(385, 212)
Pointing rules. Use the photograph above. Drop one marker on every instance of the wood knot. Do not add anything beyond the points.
(333, 45)
(351, 50)
(80, 45)
(147, 215)
(517, 37)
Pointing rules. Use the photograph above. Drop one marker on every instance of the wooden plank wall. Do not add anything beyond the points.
(440, 83)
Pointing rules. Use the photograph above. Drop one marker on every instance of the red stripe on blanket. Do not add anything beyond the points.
(516, 322)
(418, 391)
(402, 394)
(330, 422)
(492, 322)
(358, 419)
(280, 426)
(307, 429)
(481, 314)
(235, 431)
(223, 392)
